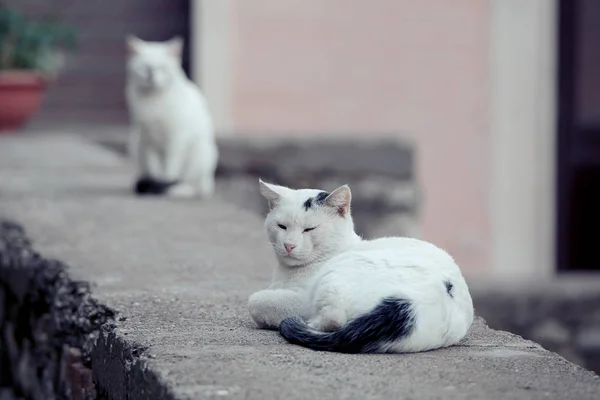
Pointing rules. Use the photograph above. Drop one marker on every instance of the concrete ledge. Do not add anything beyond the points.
(360, 155)
(313, 155)
(180, 273)
(385, 195)
(381, 172)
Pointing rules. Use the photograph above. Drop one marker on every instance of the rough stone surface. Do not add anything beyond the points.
(180, 274)
(48, 325)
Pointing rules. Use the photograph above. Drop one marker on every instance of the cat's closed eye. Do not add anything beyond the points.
(282, 226)
(309, 229)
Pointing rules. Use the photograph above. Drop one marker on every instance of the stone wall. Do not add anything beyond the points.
(379, 172)
(562, 315)
(48, 325)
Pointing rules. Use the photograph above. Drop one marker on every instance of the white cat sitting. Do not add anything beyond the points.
(172, 139)
(385, 295)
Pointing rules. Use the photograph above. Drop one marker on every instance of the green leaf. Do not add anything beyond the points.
(29, 44)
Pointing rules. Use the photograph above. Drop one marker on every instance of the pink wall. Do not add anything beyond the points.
(419, 68)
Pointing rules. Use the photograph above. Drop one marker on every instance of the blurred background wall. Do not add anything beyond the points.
(419, 70)
(90, 89)
(372, 69)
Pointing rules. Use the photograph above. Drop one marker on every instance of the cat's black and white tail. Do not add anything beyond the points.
(390, 321)
(146, 186)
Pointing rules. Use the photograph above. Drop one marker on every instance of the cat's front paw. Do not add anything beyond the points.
(261, 310)
(182, 191)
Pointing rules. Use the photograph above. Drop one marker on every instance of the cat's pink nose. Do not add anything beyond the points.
(289, 247)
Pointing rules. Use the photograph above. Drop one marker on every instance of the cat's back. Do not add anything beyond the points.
(403, 247)
(393, 255)
(393, 266)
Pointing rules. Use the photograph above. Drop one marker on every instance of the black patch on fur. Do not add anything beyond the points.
(318, 200)
(307, 204)
(449, 287)
(151, 186)
(389, 321)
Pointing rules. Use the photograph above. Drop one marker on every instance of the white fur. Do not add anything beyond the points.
(172, 136)
(332, 276)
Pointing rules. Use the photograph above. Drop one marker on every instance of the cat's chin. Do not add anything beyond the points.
(146, 86)
(148, 89)
(291, 261)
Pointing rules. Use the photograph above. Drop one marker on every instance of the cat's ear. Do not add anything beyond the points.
(272, 193)
(340, 200)
(175, 46)
(133, 44)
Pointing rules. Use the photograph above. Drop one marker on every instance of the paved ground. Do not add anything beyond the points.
(180, 273)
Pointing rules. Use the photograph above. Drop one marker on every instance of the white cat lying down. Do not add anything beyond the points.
(387, 295)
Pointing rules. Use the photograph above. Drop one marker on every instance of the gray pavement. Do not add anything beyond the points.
(180, 272)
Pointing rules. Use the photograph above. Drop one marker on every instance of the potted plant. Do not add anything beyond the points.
(31, 54)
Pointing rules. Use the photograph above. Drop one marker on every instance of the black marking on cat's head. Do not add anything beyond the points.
(318, 200)
(307, 204)
(449, 287)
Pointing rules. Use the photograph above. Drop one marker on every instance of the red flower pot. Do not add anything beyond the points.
(21, 93)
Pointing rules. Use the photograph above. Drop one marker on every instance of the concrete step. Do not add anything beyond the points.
(180, 272)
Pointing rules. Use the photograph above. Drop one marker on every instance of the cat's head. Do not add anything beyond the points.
(307, 225)
(153, 65)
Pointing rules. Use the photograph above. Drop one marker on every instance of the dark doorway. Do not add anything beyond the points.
(579, 135)
(90, 89)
